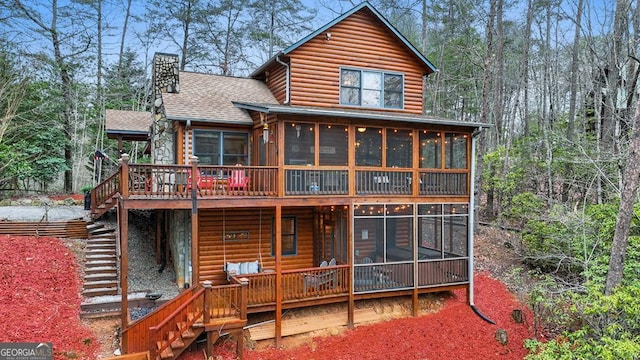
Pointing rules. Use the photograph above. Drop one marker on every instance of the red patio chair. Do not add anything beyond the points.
(238, 180)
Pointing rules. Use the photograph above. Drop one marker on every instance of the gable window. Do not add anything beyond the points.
(220, 147)
(289, 236)
(371, 89)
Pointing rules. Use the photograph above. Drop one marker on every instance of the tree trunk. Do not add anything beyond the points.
(525, 67)
(631, 180)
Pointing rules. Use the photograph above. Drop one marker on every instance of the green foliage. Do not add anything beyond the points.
(34, 151)
(608, 327)
(524, 206)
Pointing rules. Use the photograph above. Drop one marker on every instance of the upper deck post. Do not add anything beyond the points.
(124, 175)
(195, 266)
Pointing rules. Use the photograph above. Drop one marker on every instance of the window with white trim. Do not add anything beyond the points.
(374, 89)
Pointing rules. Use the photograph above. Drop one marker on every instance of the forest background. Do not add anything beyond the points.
(557, 79)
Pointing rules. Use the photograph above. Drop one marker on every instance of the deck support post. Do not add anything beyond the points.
(123, 220)
(415, 301)
(351, 306)
(195, 271)
(278, 251)
(206, 316)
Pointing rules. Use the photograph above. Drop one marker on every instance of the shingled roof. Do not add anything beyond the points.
(126, 122)
(209, 98)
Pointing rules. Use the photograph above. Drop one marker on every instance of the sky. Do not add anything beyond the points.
(599, 12)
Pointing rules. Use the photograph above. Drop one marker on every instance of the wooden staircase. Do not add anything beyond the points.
(105, 195)
(101, 262)
(174, 326)
(177, 341)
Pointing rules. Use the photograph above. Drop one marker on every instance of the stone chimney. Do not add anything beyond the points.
(166, 73)
(165, 80)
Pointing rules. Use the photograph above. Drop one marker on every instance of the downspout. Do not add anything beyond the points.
(186, 142)
(471, 222)
(287, 94)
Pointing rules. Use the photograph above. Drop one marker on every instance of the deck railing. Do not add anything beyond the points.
(136, 337)
(106, 189)
(443, 272)
(383, 182)
(204, 304)
(177, 181)
(439, 183)
(164, 333)
(316, 181)
(297, 284)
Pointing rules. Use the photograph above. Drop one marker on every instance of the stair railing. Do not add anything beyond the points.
(188, 313)
(135, 336)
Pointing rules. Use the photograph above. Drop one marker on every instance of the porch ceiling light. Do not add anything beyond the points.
(362, 129)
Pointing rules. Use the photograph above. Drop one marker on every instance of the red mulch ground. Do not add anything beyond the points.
(455, 332)
(76, 197)
(39, 297)
(40, 302)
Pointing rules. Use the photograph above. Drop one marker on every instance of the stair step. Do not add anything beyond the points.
(101, 232)
(101, 251)
(99, 263)
(109, 276)
(111, 247)
(100, 292)
(166, 353)
(177, 343)
(98, 284)
(101, 270)
(191, 317)
(94, 226)
(101, 241)
(185, 330)
(107, 234)
(100, 257)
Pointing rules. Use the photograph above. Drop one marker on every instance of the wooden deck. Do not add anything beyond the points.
(317, 285)
(175, 182)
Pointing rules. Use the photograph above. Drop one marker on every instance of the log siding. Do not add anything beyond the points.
(358, 42)
(213, 253)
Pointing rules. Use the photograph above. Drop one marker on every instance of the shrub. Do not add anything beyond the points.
(609, 327)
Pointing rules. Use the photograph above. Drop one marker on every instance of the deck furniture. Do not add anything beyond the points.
(317, 280)
(238, 180)
(242, 268)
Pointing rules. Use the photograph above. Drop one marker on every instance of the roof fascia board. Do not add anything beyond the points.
(355, 115)
(185, 119)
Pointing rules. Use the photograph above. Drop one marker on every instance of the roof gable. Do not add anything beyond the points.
(364, 5)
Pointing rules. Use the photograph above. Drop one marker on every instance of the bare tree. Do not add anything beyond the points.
(631, 181)
(67, 42)
(223, 29)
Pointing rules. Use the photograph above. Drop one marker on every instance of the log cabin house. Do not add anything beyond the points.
(317, 179)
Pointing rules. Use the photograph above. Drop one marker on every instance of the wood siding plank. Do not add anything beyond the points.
(213, 253)
(359, 41)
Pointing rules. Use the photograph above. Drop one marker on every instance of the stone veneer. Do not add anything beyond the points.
(180, 239)
(165, 80)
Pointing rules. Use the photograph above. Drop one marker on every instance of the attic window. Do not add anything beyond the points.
(374, 89)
